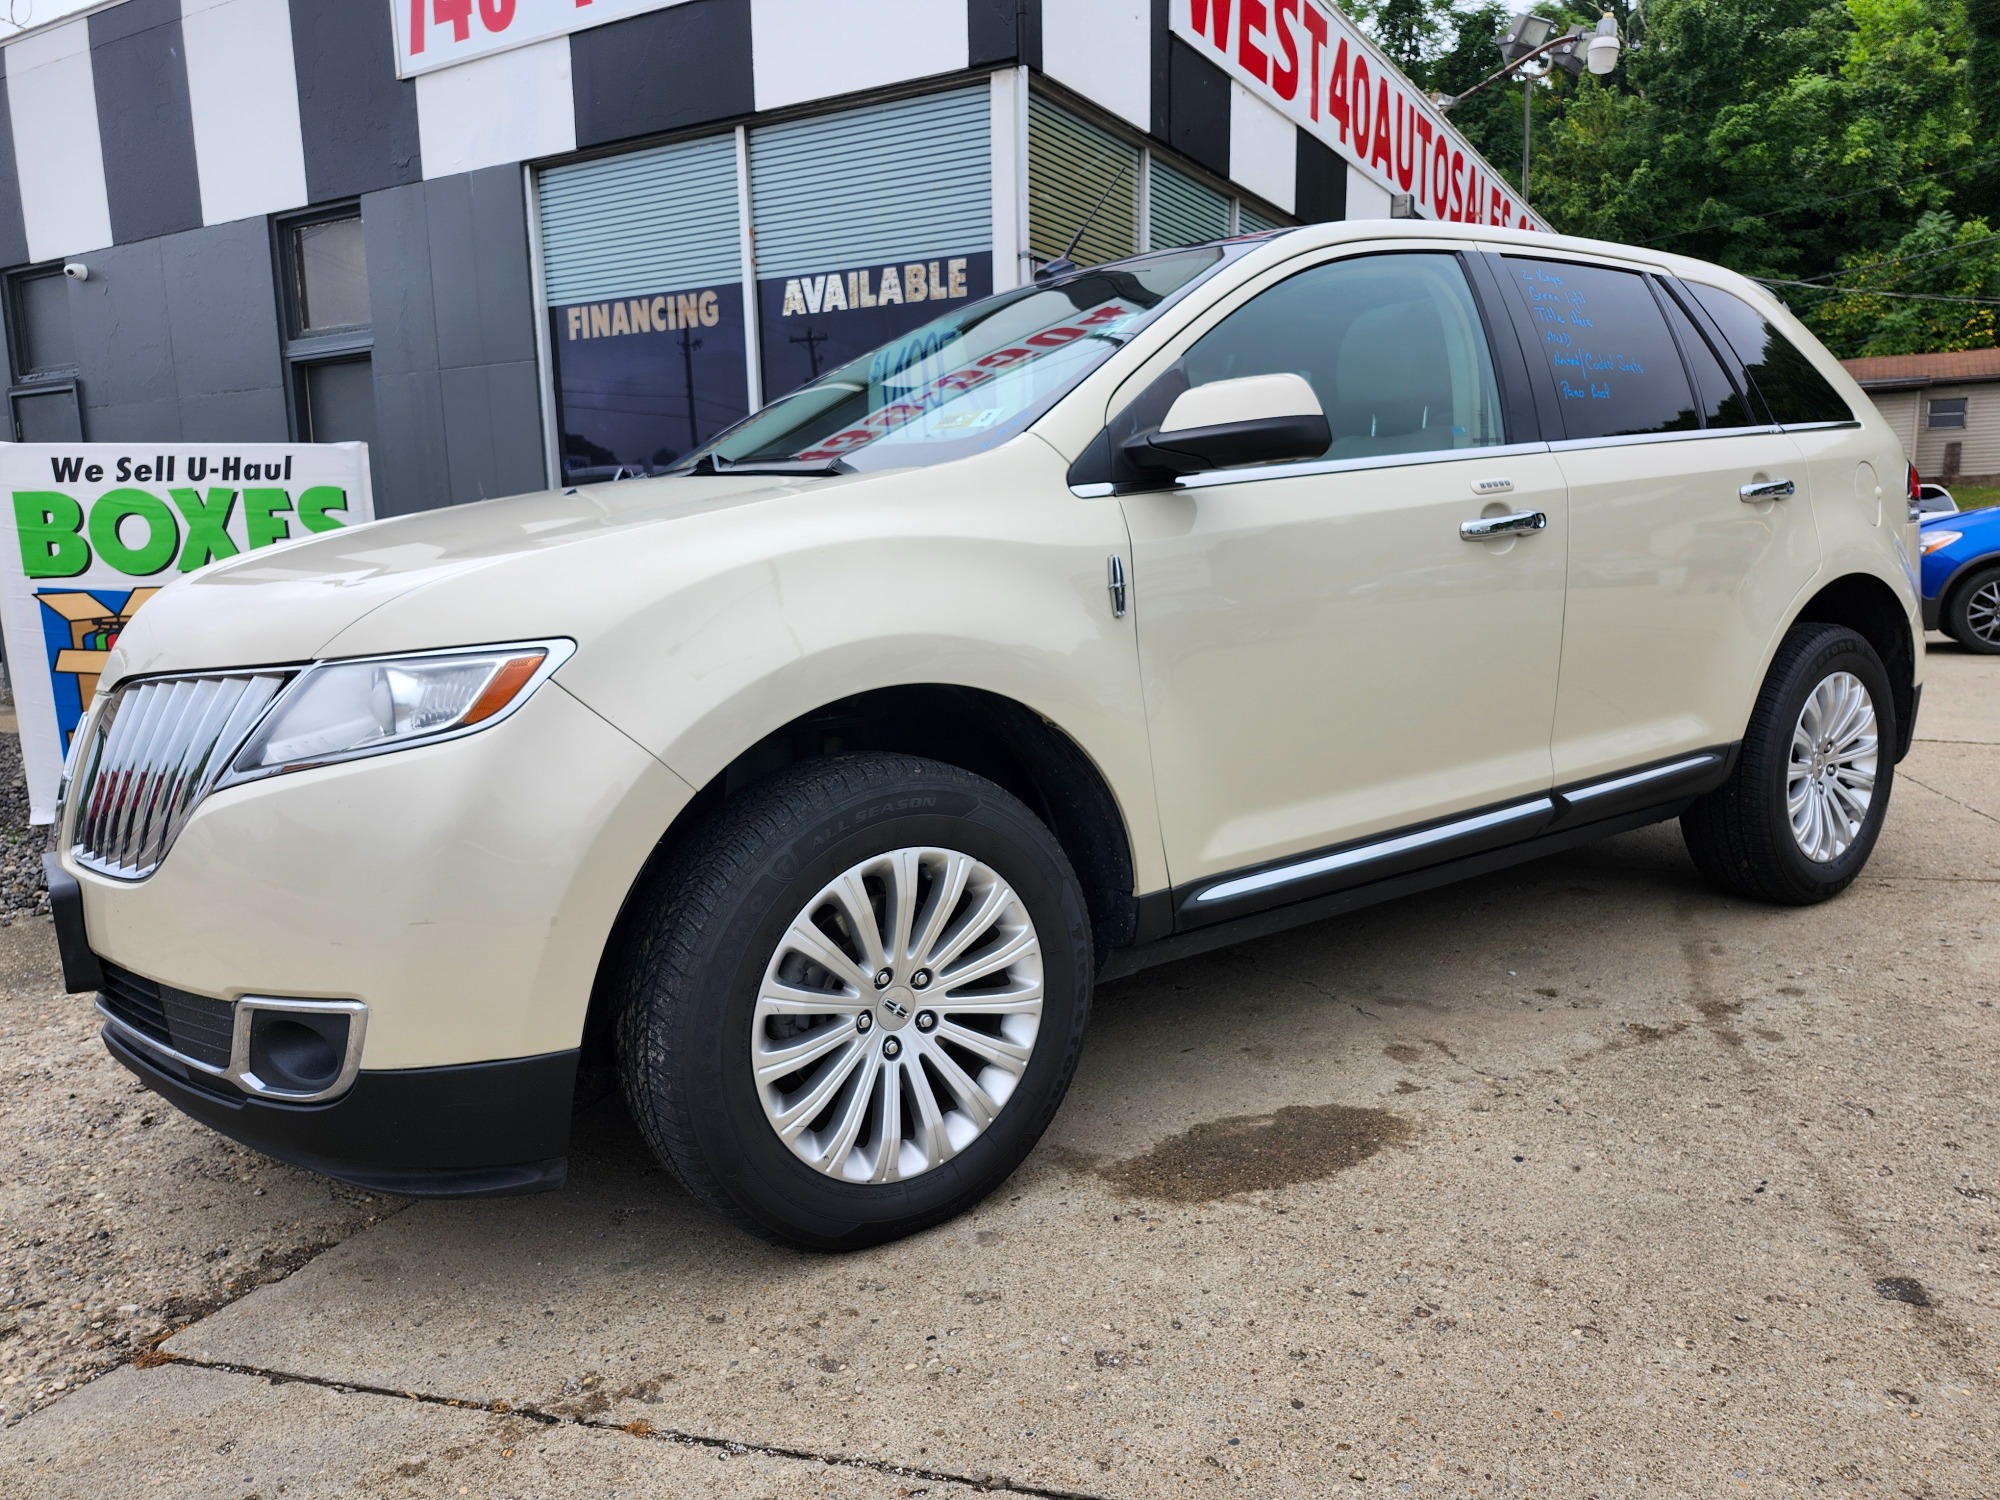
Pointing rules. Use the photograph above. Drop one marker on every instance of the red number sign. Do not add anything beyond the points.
(495, 15)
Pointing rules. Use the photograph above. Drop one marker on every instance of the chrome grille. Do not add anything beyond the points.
(156, 750)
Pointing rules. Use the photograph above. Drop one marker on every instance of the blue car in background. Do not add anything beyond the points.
(1961, 577)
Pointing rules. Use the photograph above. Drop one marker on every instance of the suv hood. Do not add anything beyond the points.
(288, 603)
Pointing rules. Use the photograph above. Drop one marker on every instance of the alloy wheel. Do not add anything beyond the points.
(1982, 612)
(1830, 782)
(897, 1015)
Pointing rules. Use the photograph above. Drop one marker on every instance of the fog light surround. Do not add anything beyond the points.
(300, 1051)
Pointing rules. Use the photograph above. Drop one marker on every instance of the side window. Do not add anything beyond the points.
(1606, 348)
(44, 346)
(1946, 411)
(1795, 392)
(329, 338)
(1722, 405)
(1392, 344)
(44, 405)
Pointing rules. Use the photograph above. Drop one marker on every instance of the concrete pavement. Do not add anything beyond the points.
(1576, 1180)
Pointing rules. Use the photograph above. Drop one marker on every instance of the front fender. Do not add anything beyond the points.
(1001, 590)
(699, 636)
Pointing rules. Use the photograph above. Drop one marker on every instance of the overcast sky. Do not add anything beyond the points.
(15, 14)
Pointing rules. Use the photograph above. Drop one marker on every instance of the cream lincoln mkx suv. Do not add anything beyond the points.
(813, 784)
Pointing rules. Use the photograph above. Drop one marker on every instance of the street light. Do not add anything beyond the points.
(1525, 35)
(1605, 46)
(1530, 45)
(1567, 54)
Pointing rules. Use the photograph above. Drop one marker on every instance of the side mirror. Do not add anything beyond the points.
(1259, 419)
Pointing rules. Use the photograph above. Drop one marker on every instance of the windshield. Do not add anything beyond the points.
(968, 381)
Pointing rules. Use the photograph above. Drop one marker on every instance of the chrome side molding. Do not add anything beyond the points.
(1640, 778)
(1362, 854)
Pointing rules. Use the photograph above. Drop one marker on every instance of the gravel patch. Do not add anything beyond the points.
(121, 1220)
(22, 891)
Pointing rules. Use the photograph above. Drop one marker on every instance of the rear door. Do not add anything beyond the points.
(1691, 528)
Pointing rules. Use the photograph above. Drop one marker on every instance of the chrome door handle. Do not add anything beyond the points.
(1494, 528)
(1768, 489)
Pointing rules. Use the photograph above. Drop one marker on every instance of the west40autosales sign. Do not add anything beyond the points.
(1301, 56)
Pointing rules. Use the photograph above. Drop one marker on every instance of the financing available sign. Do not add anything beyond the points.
(91, 531)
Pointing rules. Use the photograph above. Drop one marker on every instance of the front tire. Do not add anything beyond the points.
(1801, 811)
(1972, 617)
(853, 1003)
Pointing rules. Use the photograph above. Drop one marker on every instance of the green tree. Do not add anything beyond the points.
(1793, 140)
(1408, 30)
(1869, 307)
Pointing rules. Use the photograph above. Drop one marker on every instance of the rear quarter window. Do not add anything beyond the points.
(1796, 393)
(1722, 403)
(1605, 346)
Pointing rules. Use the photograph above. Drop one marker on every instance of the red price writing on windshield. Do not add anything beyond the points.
(494, 15)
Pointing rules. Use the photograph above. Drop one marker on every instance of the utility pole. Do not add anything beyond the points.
(812, 340)
(1527, 124)
(688, 345)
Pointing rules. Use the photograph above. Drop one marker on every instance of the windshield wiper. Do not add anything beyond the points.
(817, 468)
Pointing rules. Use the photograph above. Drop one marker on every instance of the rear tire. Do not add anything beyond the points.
(823, 1072)
(1800, 813)
(1972, 616)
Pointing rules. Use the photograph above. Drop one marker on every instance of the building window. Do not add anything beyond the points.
(1947, 412)
(1131, 196)
(329, 334)
(43, 401)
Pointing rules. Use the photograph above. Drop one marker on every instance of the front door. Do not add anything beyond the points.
(1327, 657)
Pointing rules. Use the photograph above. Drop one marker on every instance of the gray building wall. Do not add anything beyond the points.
(178, 340)
(144, 119)
(450, 287)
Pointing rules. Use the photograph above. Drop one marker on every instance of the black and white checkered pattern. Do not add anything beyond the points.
(151, 117)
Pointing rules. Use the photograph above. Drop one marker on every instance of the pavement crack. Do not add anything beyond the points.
(1979, 811)
(643, 1431)
(1935, 879)
(1951, 1336)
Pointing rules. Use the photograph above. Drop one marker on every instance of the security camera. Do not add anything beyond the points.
(76, 270)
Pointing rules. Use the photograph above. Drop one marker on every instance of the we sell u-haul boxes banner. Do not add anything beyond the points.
(91, 531)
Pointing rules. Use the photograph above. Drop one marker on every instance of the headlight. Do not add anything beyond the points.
(343, 710)
(1936, 539)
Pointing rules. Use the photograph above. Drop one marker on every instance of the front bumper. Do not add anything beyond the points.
(482, 1129)
(464, 891)
(478, 1130)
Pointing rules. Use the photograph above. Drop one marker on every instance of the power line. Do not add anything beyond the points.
(1779, 213)
(1856, 291)
(1900, 259)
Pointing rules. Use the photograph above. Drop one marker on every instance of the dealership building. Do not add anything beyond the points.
(512, 243)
